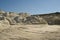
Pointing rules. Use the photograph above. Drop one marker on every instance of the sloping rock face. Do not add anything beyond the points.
(35, 20)
(30, 20)
(52, 18)
(21, 18)
(25, 18)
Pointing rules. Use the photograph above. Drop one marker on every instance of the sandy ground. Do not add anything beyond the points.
(30, 32)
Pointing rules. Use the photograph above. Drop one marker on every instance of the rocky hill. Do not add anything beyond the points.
(25, 18)
(21, 18)
(51, 18)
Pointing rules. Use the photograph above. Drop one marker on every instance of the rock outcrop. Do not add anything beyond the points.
(35, 20)
(51, 18)
(25, 18)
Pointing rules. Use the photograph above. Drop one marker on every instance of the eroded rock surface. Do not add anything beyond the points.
(21, 18)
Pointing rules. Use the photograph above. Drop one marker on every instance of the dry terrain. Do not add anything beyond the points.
(23, 26)
(30, 32)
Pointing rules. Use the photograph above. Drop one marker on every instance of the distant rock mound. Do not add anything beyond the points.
(24, 18)
(51, 18)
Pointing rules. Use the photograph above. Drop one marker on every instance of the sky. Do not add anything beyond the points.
(30, 6)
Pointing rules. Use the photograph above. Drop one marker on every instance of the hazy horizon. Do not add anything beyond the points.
(30, 6)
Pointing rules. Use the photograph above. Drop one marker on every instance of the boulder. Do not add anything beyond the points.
(11, 21)
(2, 17)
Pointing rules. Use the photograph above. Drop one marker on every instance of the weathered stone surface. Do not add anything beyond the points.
(25, 18)
(11, 21)
(52, 18)
(2, 18)
(24, 15)
(18, 19)
(35, 20)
